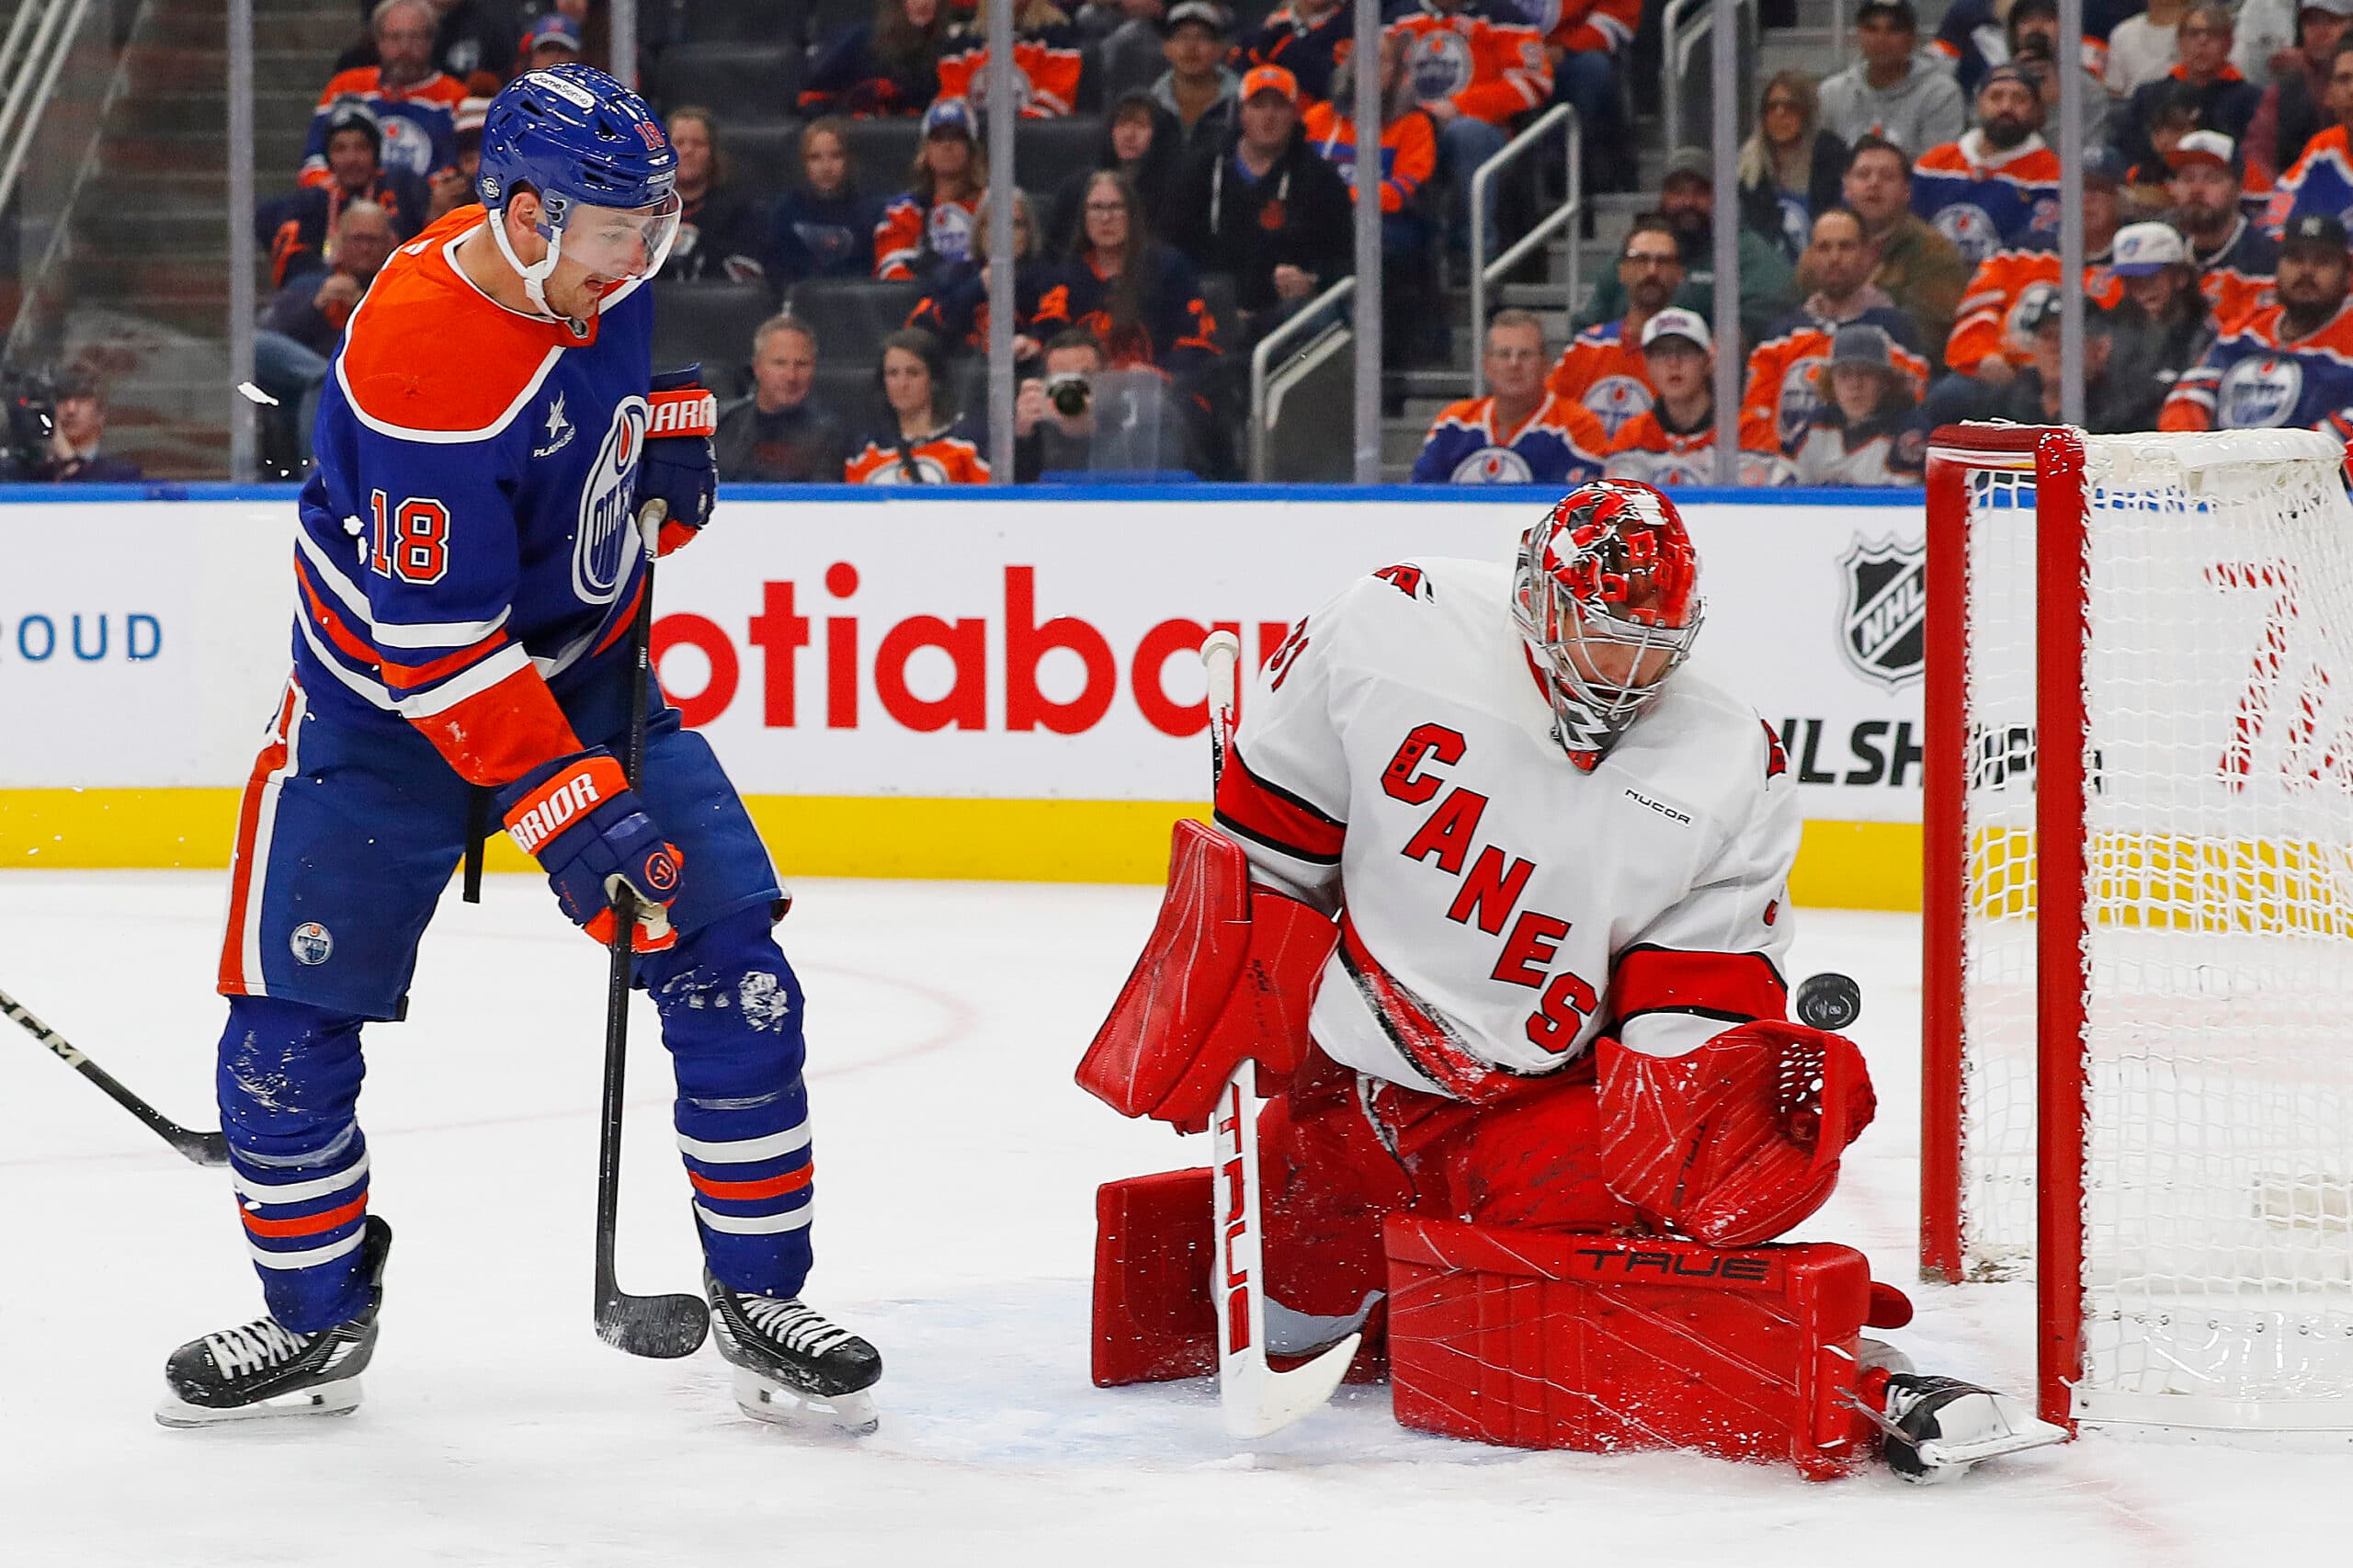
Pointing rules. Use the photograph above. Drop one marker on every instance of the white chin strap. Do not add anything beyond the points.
(534, 277)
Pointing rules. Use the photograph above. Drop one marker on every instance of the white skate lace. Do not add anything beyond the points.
(800, 1328)
(256, 1346)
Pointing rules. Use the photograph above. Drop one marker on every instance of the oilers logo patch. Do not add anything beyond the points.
(2259, 393)
(608, 533)
(948, 229)
(2031, 299)
(1971, 228)
(1800, 401)
(928, 470)
(1024, 95)
(312, 944)
(1884, 625)
(1617, 399)
(1441, 65)
(1493, 465)
(407, 144)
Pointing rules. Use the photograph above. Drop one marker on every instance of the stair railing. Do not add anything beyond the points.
(29, 67)
(1485, 273)
(1315, 314)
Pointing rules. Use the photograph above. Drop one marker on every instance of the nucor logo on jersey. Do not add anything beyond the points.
(850, 661)
(602, 544)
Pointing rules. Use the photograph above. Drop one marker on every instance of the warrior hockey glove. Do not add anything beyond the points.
(578, 817)
(680, 469)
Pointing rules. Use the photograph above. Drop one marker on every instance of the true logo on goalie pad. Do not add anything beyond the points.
(1884, 624)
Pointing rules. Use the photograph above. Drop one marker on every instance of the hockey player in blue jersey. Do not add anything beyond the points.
(467, 566)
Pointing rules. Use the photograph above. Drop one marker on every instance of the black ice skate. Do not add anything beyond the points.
(793, 1367)
(1937, 1428)
(265, 1369)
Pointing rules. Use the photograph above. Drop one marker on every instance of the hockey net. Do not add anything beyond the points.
(2138, 1083)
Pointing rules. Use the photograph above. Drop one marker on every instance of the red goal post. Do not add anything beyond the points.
(2137, 967)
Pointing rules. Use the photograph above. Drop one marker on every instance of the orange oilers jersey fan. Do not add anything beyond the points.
(945, 457)
(2001, 291)
(1477, 56)
(1602, 369)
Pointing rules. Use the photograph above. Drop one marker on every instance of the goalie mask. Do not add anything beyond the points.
(1607, 596)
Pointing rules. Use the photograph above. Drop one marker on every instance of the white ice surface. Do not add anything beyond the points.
(956, 1172)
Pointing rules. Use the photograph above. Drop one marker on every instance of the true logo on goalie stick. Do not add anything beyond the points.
(312, 944)
(1884, 624)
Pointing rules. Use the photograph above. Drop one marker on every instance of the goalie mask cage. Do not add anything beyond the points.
(2138, 926)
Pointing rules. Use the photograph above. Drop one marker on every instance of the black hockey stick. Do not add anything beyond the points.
(660, 1326)
(203, 1148)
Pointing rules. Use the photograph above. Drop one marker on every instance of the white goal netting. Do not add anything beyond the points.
(2217, 919)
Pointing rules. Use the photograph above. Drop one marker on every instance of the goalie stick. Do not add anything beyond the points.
(1253, 1398)
(660, 1326)
(202, 1148)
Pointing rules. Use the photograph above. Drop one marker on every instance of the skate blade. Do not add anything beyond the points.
(764, 1400)
(328, 1399)
(2028, 1433)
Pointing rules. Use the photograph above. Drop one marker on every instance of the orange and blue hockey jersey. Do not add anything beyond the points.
(1557, 444)
(916, 236)
(949, 455)
(1602, 369)
(1646, 449)
(2252, 380)
(1310, 52)
(1408, 151)
(465, 550)
(418, 121)
(1483, 59)
(1047, 65)
(1983, 200)
(1783, 395)
(2320, 181)
(2235, 277)
(2006, 285)
(1581, 26)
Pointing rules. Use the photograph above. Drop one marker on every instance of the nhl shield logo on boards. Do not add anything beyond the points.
(312, 944)
(1883, 626)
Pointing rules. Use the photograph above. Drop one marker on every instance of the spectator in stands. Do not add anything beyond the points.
(2034, 28)
(2144, 49)
(411, 100)
(1790, 166)
(1861, 431)
(718, 226)
(886, 66)
(2294, 108)
(778, 435)
(2227, 100)
(1141, 140)
(1140, 299)
(302, 326)
(1196, 89)
(2290, 365)
(2235, 259)
(2264, 45)
(1674, 441)
(1686, 200)
(1476, 66)
(1783, 393)
(470, 39)
(1263, 207)
(1053, 416)
(1990, 342)
(1519, 433)
(2158, 330)
(2320, 179)
(1582, 41)
(932, 222)
(1918, 266)
(957, 310)
(553, 40)
(824, 226)
(1127, 35)
(1411, 306)
(74, 442)
(1602, 367)
(1049, 60)
(454, 188)
(1306, 37)
(2182, 112)
(925, 440)
(1997, 184)
(2032, 396)
(1893, 91)
(296, 227)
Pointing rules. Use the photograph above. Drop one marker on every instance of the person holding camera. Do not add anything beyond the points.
(55, 438)
(1053, 418)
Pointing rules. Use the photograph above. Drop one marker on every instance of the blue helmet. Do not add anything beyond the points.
(574, 136)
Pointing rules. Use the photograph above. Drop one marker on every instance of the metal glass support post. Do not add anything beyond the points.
(623, 33)
(1725, 83)
(1003, 111)
(241, 443)
(1367, 215)
(2073, 304)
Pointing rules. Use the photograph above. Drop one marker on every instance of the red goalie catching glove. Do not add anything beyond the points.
(1736, 1141)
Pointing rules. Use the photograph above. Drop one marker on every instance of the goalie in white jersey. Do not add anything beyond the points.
(1522, 878)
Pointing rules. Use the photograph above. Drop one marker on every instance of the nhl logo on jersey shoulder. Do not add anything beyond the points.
(1883, 626)
(312, 944)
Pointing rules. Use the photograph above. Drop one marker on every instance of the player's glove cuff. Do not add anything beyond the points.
(578, 817)
(680, 469)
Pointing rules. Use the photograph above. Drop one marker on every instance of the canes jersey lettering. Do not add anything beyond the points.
(467, 533)
(1500, 907)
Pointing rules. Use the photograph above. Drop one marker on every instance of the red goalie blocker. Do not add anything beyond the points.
(1538, 1339)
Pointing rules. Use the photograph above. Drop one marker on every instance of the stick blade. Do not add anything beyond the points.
(660, 1327)
(202, 1148)
(1258, 1402)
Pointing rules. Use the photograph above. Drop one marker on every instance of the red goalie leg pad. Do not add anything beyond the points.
(1153, 1319)
(1226, 976)
(1536, 1339)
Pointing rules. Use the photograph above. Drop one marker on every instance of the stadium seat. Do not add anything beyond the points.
(734, 81)
(1048, 151)
(763, 156)
(849, 392)
(742, 21)
(829, 19)
(852, 316)
(881, 150)
(711, 323)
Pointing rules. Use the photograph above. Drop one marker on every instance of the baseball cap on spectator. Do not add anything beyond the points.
(950, 115)
(1857, 344)
(2006, 73)
(1679, 323)
(1688, 162)
(2043, 310)
(2204, 147)
(2332, 8)
(1269, 79)
(556, 28)
(351, 114)
(2104, 164)
(2313, 228)
(1202, 12)
(1897, 10)
(2144, 250)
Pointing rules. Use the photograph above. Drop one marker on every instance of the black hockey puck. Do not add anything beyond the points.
(1829, 1002)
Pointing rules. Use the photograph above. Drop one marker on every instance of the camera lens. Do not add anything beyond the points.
(1069, 394)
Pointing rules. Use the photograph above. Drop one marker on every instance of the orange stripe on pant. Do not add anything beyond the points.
(745, 1192)
(243, 873)
(307, 1224)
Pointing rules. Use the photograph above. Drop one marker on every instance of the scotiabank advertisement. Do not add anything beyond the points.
(1022, 646)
